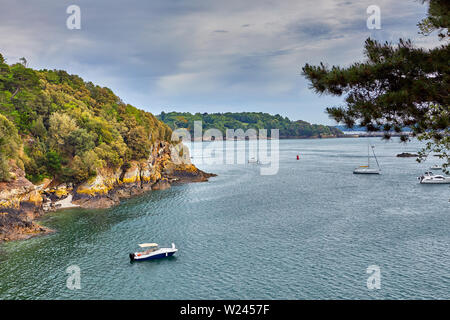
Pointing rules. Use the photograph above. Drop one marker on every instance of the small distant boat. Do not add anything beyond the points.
(430, 178)
(153, 252)
(367, 169)
(253, 160)
(436, 167)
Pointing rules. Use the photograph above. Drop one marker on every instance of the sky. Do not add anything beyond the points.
(204, 55)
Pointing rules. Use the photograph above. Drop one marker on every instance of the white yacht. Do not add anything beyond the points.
(436, 167)
(367, 169)
(430, 178)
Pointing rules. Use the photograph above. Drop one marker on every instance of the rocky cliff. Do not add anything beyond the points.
(21, 202)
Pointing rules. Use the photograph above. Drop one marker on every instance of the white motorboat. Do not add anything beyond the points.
(436, 167)
(152, 252)
(367, 169)
(430, 178)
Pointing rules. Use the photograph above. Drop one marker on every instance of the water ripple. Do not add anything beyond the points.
(309, 232)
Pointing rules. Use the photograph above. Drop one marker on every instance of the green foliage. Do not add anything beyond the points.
(80, 141)
(245, 121)
(438, 18)
(437, 141)
(69, 128)
(35, 164)
(113, 154)
(37, 128)
(9, 146)
(4, 169)
(9, 138)
(85, 166)
(61, 127)
(53, 162)
(138, 142)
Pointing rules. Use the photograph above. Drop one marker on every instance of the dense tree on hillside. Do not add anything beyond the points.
(397, 86)
(9, 146)
(68, 128)
(245, 121)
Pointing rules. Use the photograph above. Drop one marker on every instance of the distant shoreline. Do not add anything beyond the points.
(345, 135)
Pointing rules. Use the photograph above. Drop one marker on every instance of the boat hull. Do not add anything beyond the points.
(447, 181)
(430, 178)
(156, 256)
(366, 171)
(153, 256)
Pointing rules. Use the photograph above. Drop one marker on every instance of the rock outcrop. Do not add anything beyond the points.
(21, 202)
(407, 155)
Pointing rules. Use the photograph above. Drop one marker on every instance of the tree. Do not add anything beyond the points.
(23, 61)
(85, 166)
(22, 77)
(61, 126)
(80, 141)
(38, 129)
(437, 19)
(53, 162)
(397, 86)
(138, 142)
(437, 141)
(9, 146)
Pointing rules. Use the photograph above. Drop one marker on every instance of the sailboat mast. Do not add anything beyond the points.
(376, 158)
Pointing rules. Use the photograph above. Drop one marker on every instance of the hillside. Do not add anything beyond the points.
(53, 124)
(247, 120)
(69, 143)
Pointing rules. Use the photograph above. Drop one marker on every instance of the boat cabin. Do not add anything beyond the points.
(149, 246)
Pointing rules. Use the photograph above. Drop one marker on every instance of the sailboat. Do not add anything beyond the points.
(367, 169)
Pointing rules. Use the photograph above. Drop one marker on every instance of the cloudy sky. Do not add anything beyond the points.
(204, 55)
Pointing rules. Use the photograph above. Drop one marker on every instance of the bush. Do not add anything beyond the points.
(53, 162)
(9, 146)
(4, 169)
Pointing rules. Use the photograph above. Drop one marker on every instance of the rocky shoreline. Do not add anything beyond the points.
(22, 202)
(407, 155)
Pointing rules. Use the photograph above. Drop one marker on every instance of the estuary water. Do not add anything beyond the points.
(308, 232)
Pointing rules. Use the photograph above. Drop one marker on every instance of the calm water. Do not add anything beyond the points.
(308, 232)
